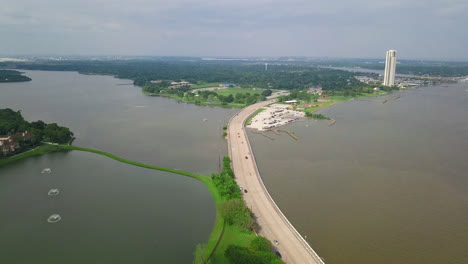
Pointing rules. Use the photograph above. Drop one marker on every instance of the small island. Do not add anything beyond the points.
(12, 76)
(18, 135)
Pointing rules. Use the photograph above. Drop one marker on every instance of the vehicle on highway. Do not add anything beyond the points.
(246, 157)
(245, 190)
(276, 242)
(240, 187)
(278, 254)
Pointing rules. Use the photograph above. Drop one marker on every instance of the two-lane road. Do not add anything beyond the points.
(273, 224)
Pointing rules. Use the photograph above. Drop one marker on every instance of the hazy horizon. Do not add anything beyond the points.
(420, 30)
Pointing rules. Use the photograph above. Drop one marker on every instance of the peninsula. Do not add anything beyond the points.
(12, 76)
(273, 224)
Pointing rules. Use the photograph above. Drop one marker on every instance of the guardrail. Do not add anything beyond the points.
(315, 256)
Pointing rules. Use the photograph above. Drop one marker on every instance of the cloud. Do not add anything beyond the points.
(353, 28)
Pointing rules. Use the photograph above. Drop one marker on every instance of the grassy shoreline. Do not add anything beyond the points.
(42, 149)
(174, 96)
(222, 234)
(332, 100)
(247, 121)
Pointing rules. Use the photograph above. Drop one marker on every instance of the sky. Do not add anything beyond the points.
(417, 29)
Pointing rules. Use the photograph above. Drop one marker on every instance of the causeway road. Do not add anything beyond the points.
(273, 224)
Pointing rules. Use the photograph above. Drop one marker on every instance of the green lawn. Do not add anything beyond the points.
(232, 236)
(338, 98)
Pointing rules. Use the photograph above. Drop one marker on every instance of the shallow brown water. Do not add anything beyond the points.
(388, 183)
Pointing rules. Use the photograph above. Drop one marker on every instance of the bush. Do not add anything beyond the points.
(261, 244)
(242, 255)
(200, 252)
(236, 213)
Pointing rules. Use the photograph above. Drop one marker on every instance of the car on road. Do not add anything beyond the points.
(276, 242)
(278, 254)
(246, 157)
(240, 187)
(245, 190)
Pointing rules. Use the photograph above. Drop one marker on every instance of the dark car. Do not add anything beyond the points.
(278, 254)
(246, 157)
(245, 190)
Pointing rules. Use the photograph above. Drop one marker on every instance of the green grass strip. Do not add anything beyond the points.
(253, 115)
(43, 149)
(218, 229)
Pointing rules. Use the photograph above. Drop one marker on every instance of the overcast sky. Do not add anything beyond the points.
(430, 29)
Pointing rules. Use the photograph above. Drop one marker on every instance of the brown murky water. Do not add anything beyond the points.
(388, 183)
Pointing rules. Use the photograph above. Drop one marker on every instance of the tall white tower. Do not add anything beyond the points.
(266, 66)
(390, 67)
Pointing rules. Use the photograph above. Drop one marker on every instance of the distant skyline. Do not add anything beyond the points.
(418, 29)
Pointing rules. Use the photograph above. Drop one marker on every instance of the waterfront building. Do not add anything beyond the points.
(390, 67)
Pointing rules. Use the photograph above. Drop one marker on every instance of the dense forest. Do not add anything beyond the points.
(245, 74)
(12, 122)
(12, 76)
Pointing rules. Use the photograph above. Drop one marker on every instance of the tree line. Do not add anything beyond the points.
(278, 76)
(12, 76)
(12, 122)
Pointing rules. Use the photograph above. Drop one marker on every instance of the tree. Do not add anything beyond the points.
(260, 244)
(200, 254)
(267, 92)
(236, 213)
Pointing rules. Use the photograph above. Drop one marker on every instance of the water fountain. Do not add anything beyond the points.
(53, 192)
(54, 218)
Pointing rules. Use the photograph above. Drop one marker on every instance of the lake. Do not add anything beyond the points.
(111, 212)
(387, 183)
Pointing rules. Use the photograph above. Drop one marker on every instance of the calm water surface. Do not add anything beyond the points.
(112, 212)
(388, 183)
(109, 116)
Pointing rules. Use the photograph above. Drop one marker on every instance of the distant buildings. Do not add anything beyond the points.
(227, 85)
(175, 85)
(390, 67)
(315, 90)
(9, 144)
(366, 79)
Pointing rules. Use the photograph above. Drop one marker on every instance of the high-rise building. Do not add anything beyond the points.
(390, 67)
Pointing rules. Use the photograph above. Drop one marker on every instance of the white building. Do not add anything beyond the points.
(390, 67)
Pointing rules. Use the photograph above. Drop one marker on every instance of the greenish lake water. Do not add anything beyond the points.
(111, 212)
